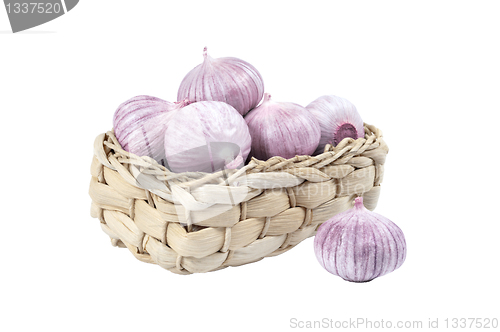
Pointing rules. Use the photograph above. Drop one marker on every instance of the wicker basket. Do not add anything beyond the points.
(199, 222)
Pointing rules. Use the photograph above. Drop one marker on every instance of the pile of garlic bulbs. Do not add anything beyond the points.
(222, 118)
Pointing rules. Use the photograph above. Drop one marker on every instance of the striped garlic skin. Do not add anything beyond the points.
(359, 245)
(230, 80)
(139, 125)
(206, 136)
(332, 112)
(282, 129)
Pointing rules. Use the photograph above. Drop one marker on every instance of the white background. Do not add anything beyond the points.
(426, 72)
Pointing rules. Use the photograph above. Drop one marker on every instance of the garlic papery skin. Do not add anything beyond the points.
(359, 245)
(282, 129)
(206, 136)
(139, 125)
(338, 119)
(230, 80)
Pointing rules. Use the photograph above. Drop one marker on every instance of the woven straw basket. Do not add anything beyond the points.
(199, 222)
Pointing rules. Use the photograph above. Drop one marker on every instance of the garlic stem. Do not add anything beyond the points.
(182, 103)
(358, 202)
(267, 97)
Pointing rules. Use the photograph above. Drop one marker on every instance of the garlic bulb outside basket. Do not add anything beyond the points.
(338, 119)
(359, 245)
(206, 136)
(139, 125)
(282, 129)
(228, 79)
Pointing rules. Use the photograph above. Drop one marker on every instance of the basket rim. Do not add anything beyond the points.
(346, 146)
(157, 178)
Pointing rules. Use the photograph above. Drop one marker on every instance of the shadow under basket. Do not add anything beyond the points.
(199, 222)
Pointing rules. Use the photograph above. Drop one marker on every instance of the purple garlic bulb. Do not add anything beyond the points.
(338, 119)
(359, 245)
(140, 123)
(231, 80)
(206, 136)
(282, 129)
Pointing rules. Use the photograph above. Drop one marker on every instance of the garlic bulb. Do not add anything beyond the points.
(282, 129)
(359, 245)
(140, 123)
(230, 80)
(205, 137)
(338, 119)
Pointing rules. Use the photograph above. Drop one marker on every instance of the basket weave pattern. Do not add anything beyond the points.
(198, 222)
